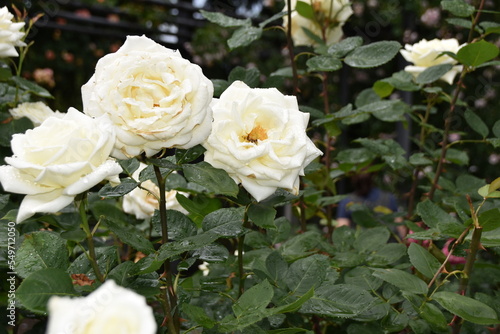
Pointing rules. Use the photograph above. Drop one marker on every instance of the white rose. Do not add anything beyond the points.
(328, 13)
(37, 112)
(10, 34)
(58, 160)
(109, 309)
(259, 138)
(155, 98)
(425, 54)
(143, 202)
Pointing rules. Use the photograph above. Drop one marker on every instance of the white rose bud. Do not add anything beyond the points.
(10, 34)
(36, 112)
(109, 309)
(58, 160)
(142, 202)
(425, 54)
(259, 138)
(155, 98)
(331, 14)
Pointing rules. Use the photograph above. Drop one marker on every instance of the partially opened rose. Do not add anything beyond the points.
(109, 309)
(10, 34)
(155, 98)
(142, 202)
(425, 54)
(259, 138)
(58, 160)
(331, 14)
(36, 112)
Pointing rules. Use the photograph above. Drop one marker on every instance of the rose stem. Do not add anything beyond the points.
(449, 116)
(90, 237)
(290, 49)
(171, 311)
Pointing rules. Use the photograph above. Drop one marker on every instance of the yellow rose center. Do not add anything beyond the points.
(257, 133)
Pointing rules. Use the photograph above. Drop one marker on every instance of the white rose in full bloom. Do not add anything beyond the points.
(109, 309)
(58, 160)
(329, 13)
(155, 98)
(259, 138)
(142, 202)
(37, 112)
(10, 34)
(425, 54)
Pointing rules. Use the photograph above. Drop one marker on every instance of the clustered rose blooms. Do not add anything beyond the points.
(10, 34)
(109, 309)
(36, 112)
(425, 54)
(259, 138)
(330, 14)
(142, 202)
(155, 98)
(58, 160)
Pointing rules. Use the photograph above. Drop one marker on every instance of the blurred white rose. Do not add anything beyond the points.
(155, 98)
(425, 54)
(331, 14)
(58, 160)
(143, 202)
(259, 138)
(10, 34)
(37, 112)
(109, 309)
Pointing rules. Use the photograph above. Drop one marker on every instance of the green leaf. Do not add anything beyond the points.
(458, 7)
(476, 123)
(198, 315)
(363, 278)
(224, 20)
(276, 266)
(179, 225)
(490, 220)
(130, 235)
(198, 206)
(372, 239)
(484, 191)
(215, 180)
(355, 155)
(467, 308)
(123, 274)
(299, 245)
(422, 260)
(477, 53)
(340, 300)
(31, 87)
(433, 73)
(254, 299)
(306, 273)
(226, 222)
(7, 129)
(106, 258)
(125, 186)
(401, 279)
(41, 250)
(432, 214)
(129, 166)
(419, 159)
(262, 215)
(185, 156)
(304, 9)
(467, 24)
(383, 88)
(373, 55)
(345, 46)
(496, 129)
(212, 253)
(323, 64)
(433, 315)
(244, 36)
(36, 289)
(250, 76)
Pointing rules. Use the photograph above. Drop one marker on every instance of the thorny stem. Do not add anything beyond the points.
(172, 317)
(448, 120)
(90, 238)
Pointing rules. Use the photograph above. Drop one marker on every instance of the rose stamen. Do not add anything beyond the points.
(257, 133)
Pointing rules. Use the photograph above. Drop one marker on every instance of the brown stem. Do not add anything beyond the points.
(172, 317)
(241, 241)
